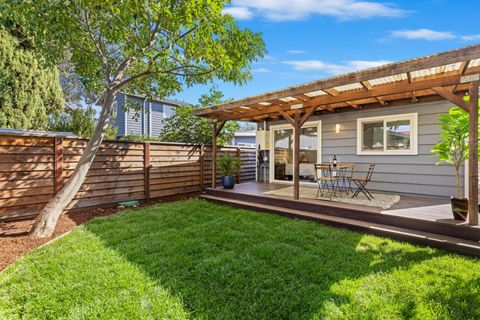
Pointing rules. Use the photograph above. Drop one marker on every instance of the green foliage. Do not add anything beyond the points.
(139, 138)
(227, 164)
(453, 146)
(198, 260)
(184, 127)
(29, 92)
(151, 47)
(80, 121)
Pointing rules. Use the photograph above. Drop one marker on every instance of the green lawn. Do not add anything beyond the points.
(193, 259)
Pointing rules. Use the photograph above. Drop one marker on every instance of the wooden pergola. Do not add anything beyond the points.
(448, 76)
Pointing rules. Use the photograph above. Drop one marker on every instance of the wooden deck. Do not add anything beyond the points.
(410, 206)
(427, 220)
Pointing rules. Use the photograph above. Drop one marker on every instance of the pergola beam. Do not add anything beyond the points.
(448, 95)
(440, 59)
(375, 92)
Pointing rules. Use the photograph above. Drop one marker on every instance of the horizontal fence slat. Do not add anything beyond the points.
(117, 173)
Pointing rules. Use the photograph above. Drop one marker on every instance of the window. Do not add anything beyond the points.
(387, 135)
(168, 111)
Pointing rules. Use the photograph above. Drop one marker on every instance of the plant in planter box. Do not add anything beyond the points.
(228, 166)
(453, 148)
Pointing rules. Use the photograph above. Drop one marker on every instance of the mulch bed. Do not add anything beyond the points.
(15, 242)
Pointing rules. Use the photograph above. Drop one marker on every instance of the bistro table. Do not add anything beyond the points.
(341, 174)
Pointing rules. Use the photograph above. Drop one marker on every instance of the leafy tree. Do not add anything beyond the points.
(453, 146)
(152, 47)
(80, 121)
(29, 92)
(184, 127)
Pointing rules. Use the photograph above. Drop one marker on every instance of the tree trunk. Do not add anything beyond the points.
(459, 182)
(48, 217)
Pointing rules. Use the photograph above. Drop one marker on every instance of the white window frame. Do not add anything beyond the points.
(413, 117)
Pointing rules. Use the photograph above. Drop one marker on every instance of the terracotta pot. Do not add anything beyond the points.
(459, 208)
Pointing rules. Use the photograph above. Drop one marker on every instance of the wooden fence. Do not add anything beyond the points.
(33, 170)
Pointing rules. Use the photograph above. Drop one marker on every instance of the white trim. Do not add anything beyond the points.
(310, 124)
(413, 117)
(125, 114)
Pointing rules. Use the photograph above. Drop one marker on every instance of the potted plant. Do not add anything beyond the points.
(453, 148)
(228, 166)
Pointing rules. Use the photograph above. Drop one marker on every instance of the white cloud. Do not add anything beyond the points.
(332, 68)
(296, 52)
(240, 13)
(288, 10)
(260, 70)
(423, 34)
(471, 37)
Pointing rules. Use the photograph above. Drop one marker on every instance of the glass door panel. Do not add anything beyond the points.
(283, 153)
(308, 153)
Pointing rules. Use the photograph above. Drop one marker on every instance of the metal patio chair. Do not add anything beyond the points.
(362, 183)
(325, 179)
(347, 175)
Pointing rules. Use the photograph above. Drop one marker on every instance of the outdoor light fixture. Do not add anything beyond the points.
(337, 128)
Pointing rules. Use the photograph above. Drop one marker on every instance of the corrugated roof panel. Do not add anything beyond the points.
(316, 93)
(264, 103)
(288, 99)
(348, 87)
(389, 79)
(474, 63)
(436, 70)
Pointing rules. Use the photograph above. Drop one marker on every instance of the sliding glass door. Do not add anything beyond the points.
(282, 152)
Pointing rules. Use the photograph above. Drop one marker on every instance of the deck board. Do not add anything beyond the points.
(410, 206)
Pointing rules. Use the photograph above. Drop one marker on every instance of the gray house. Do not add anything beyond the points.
(244, 138)
(148, 120)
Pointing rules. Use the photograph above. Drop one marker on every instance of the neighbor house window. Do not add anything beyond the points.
(387, 135)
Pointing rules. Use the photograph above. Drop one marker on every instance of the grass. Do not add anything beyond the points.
(193, 259)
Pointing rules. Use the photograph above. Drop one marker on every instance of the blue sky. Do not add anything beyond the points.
(312, 39)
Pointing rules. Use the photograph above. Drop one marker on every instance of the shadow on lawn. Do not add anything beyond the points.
(229, 263)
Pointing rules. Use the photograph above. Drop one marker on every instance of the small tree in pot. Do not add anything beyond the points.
(228, 166)
(453, 148)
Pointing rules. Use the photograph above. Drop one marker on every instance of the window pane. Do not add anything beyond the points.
(372, 136)
(398, 135)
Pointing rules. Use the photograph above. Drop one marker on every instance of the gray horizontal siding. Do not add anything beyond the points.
(150, 120)
(416, 174)
(135, 115)
(120, 115)
(157, 118)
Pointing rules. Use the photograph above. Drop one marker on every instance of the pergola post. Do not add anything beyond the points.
(472, 109)
(473, 155)
(296, 156)
(215, 133)
(297, 122)
(214, 155)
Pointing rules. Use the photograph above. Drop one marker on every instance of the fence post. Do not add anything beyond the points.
(202, 153)
(239, 169)
(146, 167)
(58, 164)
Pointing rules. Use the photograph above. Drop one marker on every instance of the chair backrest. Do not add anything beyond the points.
(370, 172)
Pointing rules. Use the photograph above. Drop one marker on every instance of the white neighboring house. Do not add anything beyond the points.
(149, 120)
(244, 138)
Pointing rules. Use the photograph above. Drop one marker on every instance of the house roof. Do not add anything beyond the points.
(423, 79)
(172, 102)
(37, 133)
